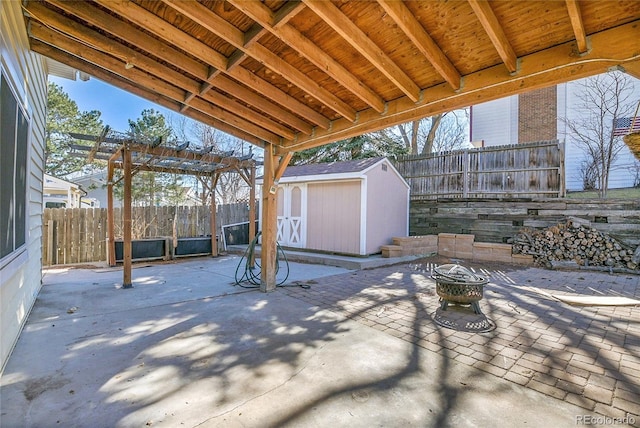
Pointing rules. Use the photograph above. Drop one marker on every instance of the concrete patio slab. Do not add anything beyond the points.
(184, 347)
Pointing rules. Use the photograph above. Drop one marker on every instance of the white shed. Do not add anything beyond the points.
(350, 207)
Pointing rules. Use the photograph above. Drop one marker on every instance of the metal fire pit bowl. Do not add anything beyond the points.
(457, 284)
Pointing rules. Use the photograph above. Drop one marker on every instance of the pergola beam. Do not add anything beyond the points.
(142, 162)
(350, 32)
(494, 30)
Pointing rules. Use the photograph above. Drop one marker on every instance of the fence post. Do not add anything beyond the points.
(50, 240)
(465, 174)
(562, 191)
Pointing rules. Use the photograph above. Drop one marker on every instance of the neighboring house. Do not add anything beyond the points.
(537, 116)
(95, 184)
(23, 104)
(350, 207)
(59, 193)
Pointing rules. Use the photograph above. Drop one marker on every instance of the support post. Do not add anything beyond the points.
(111, 241)
(126, 153)
(269, 222)
(214, 242)
(252, 211)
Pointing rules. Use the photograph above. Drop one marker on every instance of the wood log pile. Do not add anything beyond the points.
(581, 244)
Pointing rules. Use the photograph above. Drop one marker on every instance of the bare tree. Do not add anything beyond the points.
(635, 172)
(442, 132)
(601, 100)
(231, 188)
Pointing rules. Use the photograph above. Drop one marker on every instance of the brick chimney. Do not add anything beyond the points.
(537, 115)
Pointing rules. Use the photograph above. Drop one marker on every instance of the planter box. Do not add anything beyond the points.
(145, 249)
(162, 248)
(193, 246)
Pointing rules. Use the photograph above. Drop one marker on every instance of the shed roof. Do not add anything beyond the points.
(334, 171)
(300, 74)
(342, 167)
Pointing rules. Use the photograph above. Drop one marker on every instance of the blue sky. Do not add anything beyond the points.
(117, 106)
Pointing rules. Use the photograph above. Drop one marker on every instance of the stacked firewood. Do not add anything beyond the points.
(581, 244)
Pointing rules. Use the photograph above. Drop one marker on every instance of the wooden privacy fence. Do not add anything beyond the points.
(79, 235)
(515, 171)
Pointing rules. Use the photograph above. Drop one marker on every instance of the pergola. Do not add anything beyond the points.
(291, 75)
(122, 152)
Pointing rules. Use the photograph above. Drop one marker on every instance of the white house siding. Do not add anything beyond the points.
(20, 272)
(620, 175)
(495, 122)
(333, 216)
(387, 213)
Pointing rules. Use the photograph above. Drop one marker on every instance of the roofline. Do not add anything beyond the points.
(355, 175)
(319, 177)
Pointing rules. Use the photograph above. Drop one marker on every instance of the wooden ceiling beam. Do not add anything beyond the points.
(408, 23)
(111, 25)
(575, 16)
(94, 39)
(349, 31)
(117, 66)
(233, 61)
(108, 23)
(544, 68)
(309, 50)
(494, 30)
(270, 91)
(164, 30)
(242, 93)
(245, 112)
(81, 33)
(287, 12)
(131, 87)
(632, 68)
(218, 26)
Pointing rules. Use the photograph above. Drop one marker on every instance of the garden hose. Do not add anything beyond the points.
(251, 275)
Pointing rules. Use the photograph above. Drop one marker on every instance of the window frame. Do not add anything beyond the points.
(17, 256)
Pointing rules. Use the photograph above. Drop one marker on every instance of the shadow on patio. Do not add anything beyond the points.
(356, 349)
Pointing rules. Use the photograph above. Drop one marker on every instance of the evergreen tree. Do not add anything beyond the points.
(360, 147)
(152, 188)
(63, 116)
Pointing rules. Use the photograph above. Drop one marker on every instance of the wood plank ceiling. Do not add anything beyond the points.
(299, 74)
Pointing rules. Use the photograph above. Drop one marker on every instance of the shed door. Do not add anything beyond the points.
(292, 201)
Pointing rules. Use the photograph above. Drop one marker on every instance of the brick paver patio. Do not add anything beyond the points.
(586, 355)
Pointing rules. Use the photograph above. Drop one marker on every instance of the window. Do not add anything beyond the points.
(14, 131)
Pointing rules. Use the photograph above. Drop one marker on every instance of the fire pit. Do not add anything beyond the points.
(457, 284)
